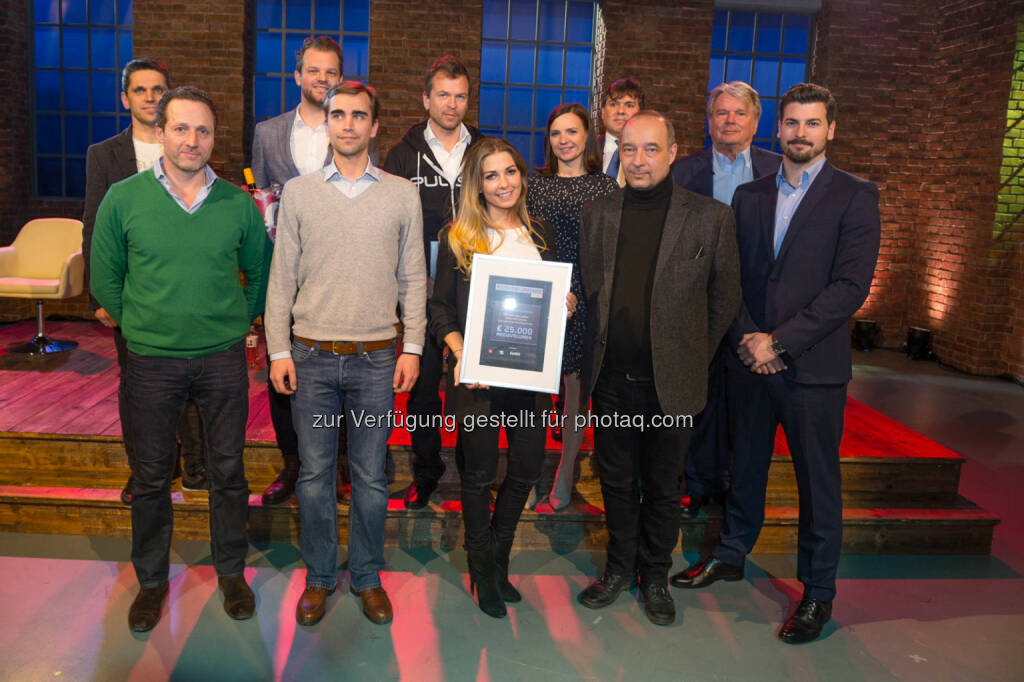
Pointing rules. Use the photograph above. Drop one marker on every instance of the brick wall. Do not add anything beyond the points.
(666, 46)
(921, 86)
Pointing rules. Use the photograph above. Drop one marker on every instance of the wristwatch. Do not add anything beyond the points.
(777, 347)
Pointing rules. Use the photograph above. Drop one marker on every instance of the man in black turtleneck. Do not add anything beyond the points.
(660, 273)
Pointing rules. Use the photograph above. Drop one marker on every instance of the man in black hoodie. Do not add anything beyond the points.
(430, 155)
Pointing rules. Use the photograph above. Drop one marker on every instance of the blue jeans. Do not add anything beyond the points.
(157, 389)
(363, 383)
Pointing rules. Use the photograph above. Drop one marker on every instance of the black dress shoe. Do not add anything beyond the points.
(144, 613)
(658, 603)
(806, 622)
(604, 591)
(239, 601)
(418, 494)
(283, 486)
(705, 572)
(691, 506)
(126, 492)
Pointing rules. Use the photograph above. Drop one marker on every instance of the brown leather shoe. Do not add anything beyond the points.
(144, 613)
(239, 601)
(312, 605)
(376, 605)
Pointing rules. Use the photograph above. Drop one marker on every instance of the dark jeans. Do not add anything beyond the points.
(479, 463)
(425, 400)
(812, 417)
(157, 389)
(640, 470)
(190, 430)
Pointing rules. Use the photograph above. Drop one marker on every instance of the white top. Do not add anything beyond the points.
(308, 145)
(513, 243)
(610, 145)
(146, 154)
(451, 161)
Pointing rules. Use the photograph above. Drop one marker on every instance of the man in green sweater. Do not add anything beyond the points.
(166, 252)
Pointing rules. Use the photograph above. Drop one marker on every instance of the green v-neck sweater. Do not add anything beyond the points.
(170, 278)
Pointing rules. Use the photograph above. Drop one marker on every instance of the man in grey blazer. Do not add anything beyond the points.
(285, 147)
(660, 274)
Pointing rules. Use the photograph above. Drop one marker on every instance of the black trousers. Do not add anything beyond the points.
(812, 417)
(640, 468)
(190, 430)
(710, 454)
(425, 401)
(157, 389)
(478, 463)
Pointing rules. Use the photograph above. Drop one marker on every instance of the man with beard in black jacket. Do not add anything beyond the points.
(430, 155)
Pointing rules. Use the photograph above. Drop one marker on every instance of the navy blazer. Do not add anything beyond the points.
(695, 172)
(822, 276)
(106, 162)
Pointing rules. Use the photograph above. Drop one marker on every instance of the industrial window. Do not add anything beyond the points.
(79, 49)
(768, 50)
(535, 55)
(282, 25)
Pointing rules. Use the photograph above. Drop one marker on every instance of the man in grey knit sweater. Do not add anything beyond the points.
(349, 252)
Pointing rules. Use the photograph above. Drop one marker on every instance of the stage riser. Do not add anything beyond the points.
(442, 530)
(100, 462)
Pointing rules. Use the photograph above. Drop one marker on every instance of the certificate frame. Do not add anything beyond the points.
(515, 323)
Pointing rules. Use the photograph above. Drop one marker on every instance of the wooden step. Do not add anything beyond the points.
(963, 529)
(40, 459)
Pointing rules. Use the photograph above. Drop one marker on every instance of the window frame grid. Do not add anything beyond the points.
(119, 114)
(769, 102)
(534, 85)
(284, 32)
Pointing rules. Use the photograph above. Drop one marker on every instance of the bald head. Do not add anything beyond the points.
(647, 150)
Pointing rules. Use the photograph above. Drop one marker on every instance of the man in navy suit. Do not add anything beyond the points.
(808, 240)
(734, 110)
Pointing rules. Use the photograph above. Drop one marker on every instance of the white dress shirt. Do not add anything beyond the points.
(308, 145)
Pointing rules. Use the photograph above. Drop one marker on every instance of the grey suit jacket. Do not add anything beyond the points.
(272, 161)
(695, 295)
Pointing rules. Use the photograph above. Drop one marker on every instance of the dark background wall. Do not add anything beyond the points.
(923, 87)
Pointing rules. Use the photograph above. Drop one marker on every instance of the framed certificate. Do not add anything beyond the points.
(515, 323)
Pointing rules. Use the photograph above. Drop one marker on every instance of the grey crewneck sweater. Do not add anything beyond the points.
(341, 265)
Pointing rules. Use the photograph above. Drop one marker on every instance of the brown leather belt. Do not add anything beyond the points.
(345, 347)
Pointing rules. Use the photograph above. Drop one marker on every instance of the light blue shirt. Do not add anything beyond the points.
(204, 191)
(728, 175)
(351, 188)
(789, 199)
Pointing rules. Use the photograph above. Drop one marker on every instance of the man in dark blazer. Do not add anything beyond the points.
(808, 240)
(133, 150)
(660, 275)
(734, 110)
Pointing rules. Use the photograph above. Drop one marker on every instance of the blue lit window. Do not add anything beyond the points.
(771, 51)
(282, 25)
(535, 55)
(79, 49)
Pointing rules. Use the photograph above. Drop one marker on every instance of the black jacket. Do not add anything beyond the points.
(695, 173)
(107, 162)
(412, 159)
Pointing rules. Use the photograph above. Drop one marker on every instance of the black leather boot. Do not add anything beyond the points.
(483, 574)
(508, 592)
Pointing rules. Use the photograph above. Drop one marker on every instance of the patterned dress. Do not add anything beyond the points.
(558, 200)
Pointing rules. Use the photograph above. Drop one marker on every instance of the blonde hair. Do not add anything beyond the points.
(467, 234)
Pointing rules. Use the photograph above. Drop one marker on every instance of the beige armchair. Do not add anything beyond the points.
(45, 261)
